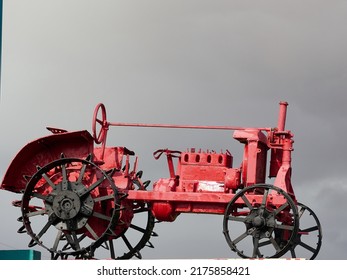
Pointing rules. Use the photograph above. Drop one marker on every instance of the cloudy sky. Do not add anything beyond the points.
(199, 62)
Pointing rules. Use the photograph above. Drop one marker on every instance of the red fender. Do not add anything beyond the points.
(78, 144)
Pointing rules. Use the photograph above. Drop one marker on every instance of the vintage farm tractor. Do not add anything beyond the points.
(79, 199)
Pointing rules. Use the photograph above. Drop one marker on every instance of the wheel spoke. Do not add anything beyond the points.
(86, 191)
(266, 193)
(64, 183)
(36, 213)
(50, 222)
(42, 197)
(57, 240)
(286, 227)
(264, 243)
(103, 198)
(274, 243)
(91, 231)
(304, 245)
(82, 172)
(241, 237)
(255, 247)
(301, 212)
(101, 216)
(48, 180)
(281, 208)
(127, 243)
(136, 253)
(140, 229)
(112, 250)
(292, 252)
(310, 229)
(236, 218)
(245, 199)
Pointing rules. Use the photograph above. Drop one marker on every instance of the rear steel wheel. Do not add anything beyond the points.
(261, 221)
(70, 207)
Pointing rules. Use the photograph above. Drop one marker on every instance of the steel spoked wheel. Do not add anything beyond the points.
(131, 241)
(70, 207)
(261, 221)
(309, 238)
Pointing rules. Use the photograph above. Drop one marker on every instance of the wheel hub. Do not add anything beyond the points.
(66, 205)
(258, 222)
(71, 209)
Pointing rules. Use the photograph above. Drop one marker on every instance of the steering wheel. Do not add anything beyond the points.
(99, 134)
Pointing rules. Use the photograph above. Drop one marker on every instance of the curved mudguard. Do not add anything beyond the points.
(78, 144)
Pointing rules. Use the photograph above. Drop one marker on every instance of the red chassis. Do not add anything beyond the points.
(90, 198)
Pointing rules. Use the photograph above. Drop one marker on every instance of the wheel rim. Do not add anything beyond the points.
(261, 221)
(79, 203)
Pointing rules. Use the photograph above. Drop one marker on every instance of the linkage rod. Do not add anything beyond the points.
(189, 126)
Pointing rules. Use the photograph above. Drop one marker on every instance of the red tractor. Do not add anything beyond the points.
(79, 199)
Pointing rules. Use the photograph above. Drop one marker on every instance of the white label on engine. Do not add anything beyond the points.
(210, 186)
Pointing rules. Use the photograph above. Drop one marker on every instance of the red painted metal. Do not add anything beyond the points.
(200, 181)
(204, 182)
(216, 127)
(42, 151)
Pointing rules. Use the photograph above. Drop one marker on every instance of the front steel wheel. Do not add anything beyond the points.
(309, 238)
(261, 221)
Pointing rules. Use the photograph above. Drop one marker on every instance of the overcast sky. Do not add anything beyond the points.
(184, 62)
